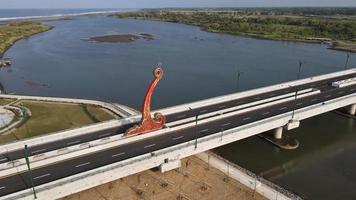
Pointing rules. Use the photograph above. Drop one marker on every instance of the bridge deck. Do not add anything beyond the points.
(67, 168)
(50, 146)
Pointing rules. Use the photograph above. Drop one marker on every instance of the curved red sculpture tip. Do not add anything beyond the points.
(147, 123)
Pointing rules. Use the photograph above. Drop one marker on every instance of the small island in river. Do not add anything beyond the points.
(121, 38)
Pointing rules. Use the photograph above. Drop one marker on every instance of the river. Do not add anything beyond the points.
(197, 65)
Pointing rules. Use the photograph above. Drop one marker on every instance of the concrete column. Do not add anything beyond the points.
(169, 165)
(278, 133)
(352, 109)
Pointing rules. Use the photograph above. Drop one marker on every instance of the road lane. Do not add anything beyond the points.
(63, 169)
(323, 85)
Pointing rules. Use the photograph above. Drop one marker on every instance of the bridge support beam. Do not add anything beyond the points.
(352, 109)
(277, 138)
(292, 124)
(169, 165)
(278, 133)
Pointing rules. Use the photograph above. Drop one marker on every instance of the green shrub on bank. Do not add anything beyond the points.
(265, 26)
(10, 33)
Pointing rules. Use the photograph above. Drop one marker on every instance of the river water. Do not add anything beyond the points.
(197, 65)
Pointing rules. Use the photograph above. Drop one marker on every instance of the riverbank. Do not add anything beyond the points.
(338, 33)
(14, 31)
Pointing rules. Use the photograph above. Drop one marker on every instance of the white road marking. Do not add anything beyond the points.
(246, 118)
(3, 159)
(148, 146)
(177, 138)
(181, 116)
(118, 154)
(42, 176)
(314, 100)
(327, 96)
(203, 111)
(257, 98)
(37, 151)
(266, 113)
(75, 142)
(3, 187)
(226, 124)
(205, 130)
(298, 104)
(103, 135)
(83, 164)
(283, 108)
(222, 107)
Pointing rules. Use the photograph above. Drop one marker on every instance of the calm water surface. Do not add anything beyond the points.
(197, 65)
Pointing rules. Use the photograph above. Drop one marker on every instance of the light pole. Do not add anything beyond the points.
(347, 59)
(30, 172)
(296, 87)
(196, 129)
(238, 80)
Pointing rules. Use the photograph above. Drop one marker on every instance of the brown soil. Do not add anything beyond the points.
(195, 180)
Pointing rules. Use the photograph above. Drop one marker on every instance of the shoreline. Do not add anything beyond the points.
(50, 27)
(331, 43)
(56, 16)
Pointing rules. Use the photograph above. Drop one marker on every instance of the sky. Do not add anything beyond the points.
(168, 3)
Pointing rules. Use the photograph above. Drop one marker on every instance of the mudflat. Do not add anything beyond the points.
(121, 38)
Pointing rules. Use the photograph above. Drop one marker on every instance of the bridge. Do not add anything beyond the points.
(71, 161)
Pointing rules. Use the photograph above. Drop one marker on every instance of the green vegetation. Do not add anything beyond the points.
(4, 101)
(299, 11)
(12, 32)
(52, 117)
(335, 30)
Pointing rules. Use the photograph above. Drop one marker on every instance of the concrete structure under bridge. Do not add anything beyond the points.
(190, 129)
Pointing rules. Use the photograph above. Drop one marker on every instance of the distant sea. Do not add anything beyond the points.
(13, 14)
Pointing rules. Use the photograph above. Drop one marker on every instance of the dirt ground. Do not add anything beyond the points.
(195, 180)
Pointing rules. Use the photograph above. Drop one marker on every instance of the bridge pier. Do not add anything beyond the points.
(292, 124)
(352, 109)
(348, 111)
(169, 165)
(277, 138)
(278, 133)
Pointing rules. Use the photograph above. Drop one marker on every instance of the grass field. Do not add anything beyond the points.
(52, 117)
(4, 101)
(10, 33)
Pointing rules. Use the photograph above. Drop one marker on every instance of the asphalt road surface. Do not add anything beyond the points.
(67, 168)
(39, 149)
(34, 150)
